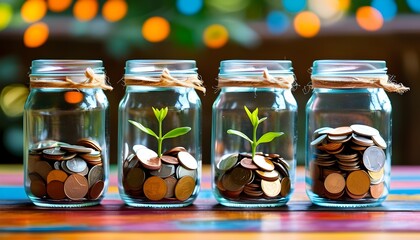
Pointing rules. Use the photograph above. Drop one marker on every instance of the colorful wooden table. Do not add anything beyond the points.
(397, 218)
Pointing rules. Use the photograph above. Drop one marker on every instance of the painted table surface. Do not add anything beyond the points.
(397, 218)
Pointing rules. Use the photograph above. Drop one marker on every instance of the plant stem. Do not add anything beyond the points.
(160, 140)
(254, 140)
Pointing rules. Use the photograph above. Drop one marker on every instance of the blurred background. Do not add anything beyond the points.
(209, 31)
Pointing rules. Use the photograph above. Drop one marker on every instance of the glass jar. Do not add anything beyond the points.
(66, 136)
(348, 134)
(254, 134)
(159, 135)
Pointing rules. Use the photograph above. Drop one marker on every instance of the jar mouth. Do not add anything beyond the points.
(67, 67)
(232, 68)
(151, 67)
(348, 67)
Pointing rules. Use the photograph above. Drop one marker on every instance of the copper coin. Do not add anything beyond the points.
(248, 164)
(281, 169)
(169, 159)
(56, 175)
(96, 174)
(38, 188)
(152, 163)
(364, 130)
(377, 190)
(155, 188)
(55, 190)
(286, 185)
(263, 163)
(353, 196)
(96, 190)
(69, 156)
(334, 183)
(332, 146)
(75, 149)
(271, 188)
(135, 179)
(379, 141)
(187, 160)
(362, 141)
(174, 151)
(269, 176)
(230, 185)
(358, 182)
(184, 188)
(241, 176)
(76, 187)
(170, 183)
(90, 143)
(341, 131)
(43, 168)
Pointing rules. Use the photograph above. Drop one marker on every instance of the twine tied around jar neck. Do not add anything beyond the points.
(266, 81)
(90, 80)
(166, 80)
(384, 82)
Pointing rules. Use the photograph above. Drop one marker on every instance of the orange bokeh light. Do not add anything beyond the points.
(85, 10)
(58, 5)
(73, 97)
(307, 24)
(114, 10)
(35, 35)
(215, 36)
(33, 10)
(155, 29)
(369, 18)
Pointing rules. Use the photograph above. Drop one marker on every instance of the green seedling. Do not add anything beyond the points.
(160, 115)
(255, 121)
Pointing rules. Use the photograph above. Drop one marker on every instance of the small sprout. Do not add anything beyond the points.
(255, 121)
(160, 115)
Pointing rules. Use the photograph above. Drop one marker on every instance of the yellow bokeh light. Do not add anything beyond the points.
(307, 24)
(156, 29)
(58, 5)
(114, 10)
(6, 14)
(215, 36)
(35, 35)
(369, 18)
(344, 5)
(33, 10)
(12, 99)
(85, 10)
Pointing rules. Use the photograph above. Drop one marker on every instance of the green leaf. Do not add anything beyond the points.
(248, 113)
(176, 132)
(262, 120)
(255, 117)
(268, 137)
(240, 134)
(163, 113)
(143, 128)
(157, 113)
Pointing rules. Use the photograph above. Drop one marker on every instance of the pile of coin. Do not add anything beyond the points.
(65, 172)
(170, 177)
(243, 177)
(348, 163)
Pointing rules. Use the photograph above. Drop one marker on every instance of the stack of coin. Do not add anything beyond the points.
(258, 178)
(63, 172)
(170, 177)
(348, 163)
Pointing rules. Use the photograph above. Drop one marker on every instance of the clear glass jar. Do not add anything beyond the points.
(154, 170)
(253, 160)
(66, 137)
(348, 138)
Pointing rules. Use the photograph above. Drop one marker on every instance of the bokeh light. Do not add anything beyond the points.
(388, 8)
(85, 10)
(156, 29)
(344, 5)
(307, 24)
(12, 139)
(58, 5)
(6, 14)
(189, 7)
(114, 10)
(277, 22)
(73, 97)
(369, 18)
(294, 6)
(12, 99)
(36, 35)
(414, 5)
(228, 5)
(329, 10)
(215, 36)
(33, 10)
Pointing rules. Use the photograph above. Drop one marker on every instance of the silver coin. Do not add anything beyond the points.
(362, 141)
(181, 172)
(227, 162)
(374, 158)
(187, 160)
(379, 141)
(57, 165)
(323, 130)
(364, 130)
(76, 165)
(318, 140)
(53, 152)
(165, 171)
(144, 154)
(64, 167)
(96, 173)
(138, 147)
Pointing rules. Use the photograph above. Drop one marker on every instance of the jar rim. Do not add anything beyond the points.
(229, 68)
(348, 67)
(67, 67)
(153, 67)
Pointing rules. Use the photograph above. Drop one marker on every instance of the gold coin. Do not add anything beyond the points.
(155, 188)
(55, 190)
(334, 183)
(271, 188)
(377, 190)
(376, 176)
(76, 187)
(184, 188)
(285, 186)
(187, 160)
(358, 182)
(263, 163)
(56, 175)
